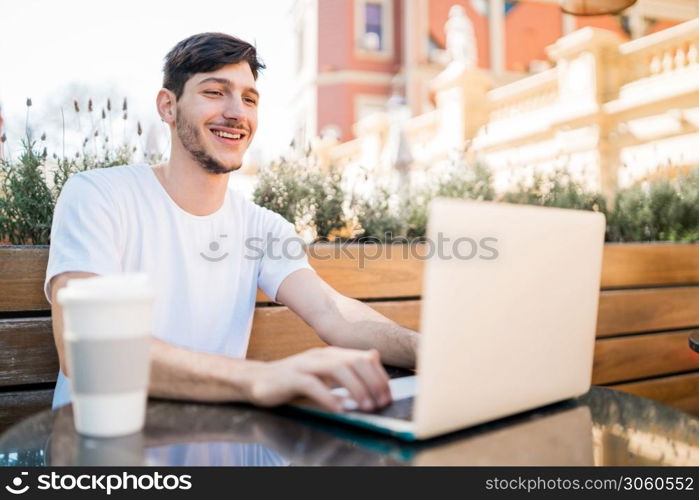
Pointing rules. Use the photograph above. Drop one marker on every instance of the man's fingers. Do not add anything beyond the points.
(311, 387)
(375, 378)
(360, 372)
(347, 378)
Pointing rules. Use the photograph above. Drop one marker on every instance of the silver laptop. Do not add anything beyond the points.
(509, 311)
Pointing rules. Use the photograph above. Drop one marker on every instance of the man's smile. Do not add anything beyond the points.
(229, 136)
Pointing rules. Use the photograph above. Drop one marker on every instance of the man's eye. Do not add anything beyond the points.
(213, 92)
(251, 100)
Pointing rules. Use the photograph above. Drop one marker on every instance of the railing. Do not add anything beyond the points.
(669, 50)
(651, 83)
(528, 95)
(421, 132)
(519, 109)
(346, 152)
(422, 127)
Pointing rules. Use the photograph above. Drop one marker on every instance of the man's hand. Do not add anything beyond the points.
(311, 373)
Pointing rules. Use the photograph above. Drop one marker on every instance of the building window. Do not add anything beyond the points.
(373, 29)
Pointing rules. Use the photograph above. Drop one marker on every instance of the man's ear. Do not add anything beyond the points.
(166, 104)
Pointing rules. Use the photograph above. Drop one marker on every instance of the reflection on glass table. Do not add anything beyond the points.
(604, 427)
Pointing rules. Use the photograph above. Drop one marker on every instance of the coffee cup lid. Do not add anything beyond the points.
(119, 287)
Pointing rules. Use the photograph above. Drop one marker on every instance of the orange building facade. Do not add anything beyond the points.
(349, 52)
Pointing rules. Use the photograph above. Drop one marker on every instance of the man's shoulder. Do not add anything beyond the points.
(113, 174)
(107, 181)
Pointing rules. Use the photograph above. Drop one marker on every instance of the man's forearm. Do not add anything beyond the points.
(179, 373)
(364, 328)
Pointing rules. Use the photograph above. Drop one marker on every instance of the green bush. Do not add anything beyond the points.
(65, 167)
(303, 194)
(556, 190)
(384, 215)
(27, 201)
(381, 215)
(27, 198)
(662, 210)
(26, 204)
(460, 181)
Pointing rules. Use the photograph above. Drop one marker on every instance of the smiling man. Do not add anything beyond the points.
(181, 224)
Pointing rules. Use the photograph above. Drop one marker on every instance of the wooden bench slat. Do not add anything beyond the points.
(649, 264)
(632, 311)
(27, 352)
(387, 276)
(22, 272)
(277, 333)
(680, 391)
(395, 272)
(375, 271)
(652, 309)
(642, 356)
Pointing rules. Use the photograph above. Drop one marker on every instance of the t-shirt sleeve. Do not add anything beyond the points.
(284, 252)
(84, 232)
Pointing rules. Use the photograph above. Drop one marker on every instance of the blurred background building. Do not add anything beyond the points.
(519, 85)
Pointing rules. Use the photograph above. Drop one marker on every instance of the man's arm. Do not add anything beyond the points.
(346, 322)
(179, 373)
(56, 283)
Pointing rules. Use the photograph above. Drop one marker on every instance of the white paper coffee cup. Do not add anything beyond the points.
(107, 329)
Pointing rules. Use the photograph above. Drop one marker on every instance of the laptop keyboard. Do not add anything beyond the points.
(401, 409)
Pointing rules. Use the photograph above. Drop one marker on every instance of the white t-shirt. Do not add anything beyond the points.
(205, 269)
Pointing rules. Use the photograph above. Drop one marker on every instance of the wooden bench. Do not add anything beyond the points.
(649, 304)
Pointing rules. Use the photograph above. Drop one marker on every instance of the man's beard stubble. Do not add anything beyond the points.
(191, 140)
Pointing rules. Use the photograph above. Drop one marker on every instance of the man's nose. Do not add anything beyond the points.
(234, 109)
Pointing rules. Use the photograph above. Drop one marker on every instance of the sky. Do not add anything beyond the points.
(53, 49)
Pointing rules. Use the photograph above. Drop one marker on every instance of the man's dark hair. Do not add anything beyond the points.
(204, 53)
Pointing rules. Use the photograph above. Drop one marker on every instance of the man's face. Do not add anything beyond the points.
(217, 117)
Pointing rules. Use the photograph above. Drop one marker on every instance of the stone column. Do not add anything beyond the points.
(372, 133)
(609, 161)
(496, 25)
(462, 104)
(637, 22)
(568, 23)
(589, 69)
(410, 33)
